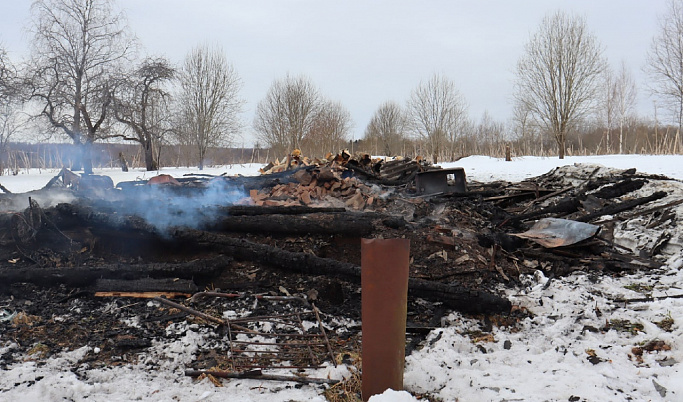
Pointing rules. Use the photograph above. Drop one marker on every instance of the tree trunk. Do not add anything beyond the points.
(86, 150)
(561, 143)
(77, 162)
(150, 161)
(123, 162)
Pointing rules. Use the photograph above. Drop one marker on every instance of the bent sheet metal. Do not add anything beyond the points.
(555, 232)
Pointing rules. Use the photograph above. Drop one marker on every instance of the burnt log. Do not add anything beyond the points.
(563, 207)
(618, 189)
(83, 276)
(344, 223)
(622, 206)
(251, 220)
(452, 295)
(249, 210)
(146, 285)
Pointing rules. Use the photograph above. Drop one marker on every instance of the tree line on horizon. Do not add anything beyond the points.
(86, 81)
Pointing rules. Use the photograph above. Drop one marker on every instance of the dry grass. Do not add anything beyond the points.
(348, 390)
(25, 320)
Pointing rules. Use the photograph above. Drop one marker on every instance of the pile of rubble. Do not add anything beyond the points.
(340, 180)
(297, 235)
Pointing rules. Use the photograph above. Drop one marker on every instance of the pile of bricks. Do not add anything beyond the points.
(319, 186)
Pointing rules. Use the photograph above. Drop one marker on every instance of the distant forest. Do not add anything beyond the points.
(108, 155)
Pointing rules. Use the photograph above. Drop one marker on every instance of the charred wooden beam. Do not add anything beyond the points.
(563, 207)
(244, 210)
(257, 375)
(83, 276)
(453, 296)
(620, 188)
(622, 206)
(146, 285)
(338, 223)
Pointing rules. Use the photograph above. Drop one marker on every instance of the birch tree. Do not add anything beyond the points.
(437, 110)
(559, 75)
(387, 128)
(330, 129)
(625, 92)
(209, 101)
(287, 113)
(665, 61)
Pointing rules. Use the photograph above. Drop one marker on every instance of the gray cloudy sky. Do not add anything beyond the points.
(363, 53)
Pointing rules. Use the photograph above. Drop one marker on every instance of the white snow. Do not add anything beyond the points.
(544, 358)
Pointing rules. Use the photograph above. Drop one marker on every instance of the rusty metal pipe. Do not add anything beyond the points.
(384, 282)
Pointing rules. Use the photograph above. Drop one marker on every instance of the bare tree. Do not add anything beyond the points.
(608, 109)
(9, 124)
(329, 130)
(558, 77)
(209, 100)
(7, 77)
(436, 110)
(526, 130)
(287, 113)
(78, 47)
(10, 121)
(619, 101)
(490, 135)
(665, 61)
(141, 103)
(625, 92)
(388, 128)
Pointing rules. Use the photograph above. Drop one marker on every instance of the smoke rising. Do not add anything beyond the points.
(164, 207)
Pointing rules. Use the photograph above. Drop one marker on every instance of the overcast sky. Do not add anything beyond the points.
(362, 53)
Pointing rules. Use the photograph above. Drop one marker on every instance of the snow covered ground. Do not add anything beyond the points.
(558, 354)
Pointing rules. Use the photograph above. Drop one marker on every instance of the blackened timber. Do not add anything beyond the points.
(83, 276)
(620, 188)
(146, 285)
(565, 206)
(249, 210)
(339, 223)
(257, 375)
(453, 296)
(622, 206)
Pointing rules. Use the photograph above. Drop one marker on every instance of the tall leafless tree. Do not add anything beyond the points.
(8, 77)
(209, 100)
(608, 109)
(490, 135)
(329, 130)
(141, 103)
(558, 77)
(625, 92)
(387, 129)
(287, 113)
(665, 61)
(526, 131)
(9, 114)
(437, 110)
(78, 46)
